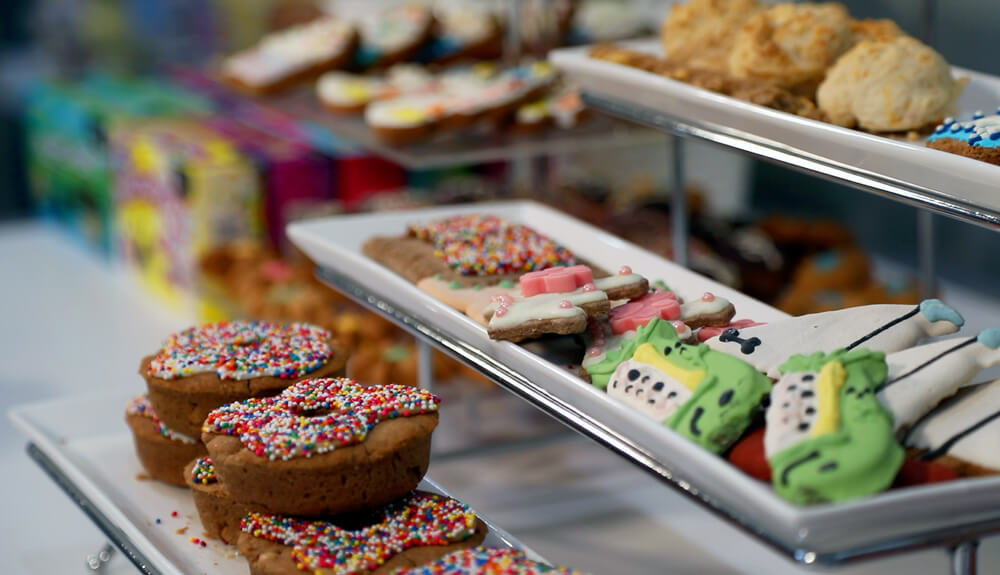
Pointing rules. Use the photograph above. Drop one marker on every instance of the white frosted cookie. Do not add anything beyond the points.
(967, 429)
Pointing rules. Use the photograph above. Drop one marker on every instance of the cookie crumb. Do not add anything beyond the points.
(182, 530)
(142, 477)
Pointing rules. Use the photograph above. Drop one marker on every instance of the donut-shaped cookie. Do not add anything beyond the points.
(204, 367)
(486, 561)
(411, 531)
(162, 451)
(220, 515)
(323, 446)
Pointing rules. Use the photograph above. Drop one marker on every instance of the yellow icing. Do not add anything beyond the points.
(831, 379)
(356, 91)
(408, 114)
(649, 355)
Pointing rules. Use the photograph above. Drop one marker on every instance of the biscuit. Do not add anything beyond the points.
(791, 45)
(891, 86)
(205, 367)
(220, 515)
(418, 528)
(162, 451)
(323, 446)
(978, 139)
(701, 33)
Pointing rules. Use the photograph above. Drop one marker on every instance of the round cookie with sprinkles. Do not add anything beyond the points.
(486, 561)
(220, 515)
(978, 138)
(416, 529)
(323, 446)
(162, 451)
(204, 367)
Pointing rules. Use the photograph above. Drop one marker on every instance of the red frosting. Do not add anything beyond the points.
(642, 310)
(748, 455)
(555, 280)
(918, 472)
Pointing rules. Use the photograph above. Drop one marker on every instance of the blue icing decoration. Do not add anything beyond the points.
(990, 338)
(827, 261)
(981, 131)
(366, 55)
(937, 310)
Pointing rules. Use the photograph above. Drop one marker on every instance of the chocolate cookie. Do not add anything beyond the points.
(162, 451)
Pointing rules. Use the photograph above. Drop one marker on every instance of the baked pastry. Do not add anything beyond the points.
(201, 368)
(701, 33)
(393, 35)
(297, 54)
(892, 86)
(791, 45)
(323, 446)
(162, 451)
(978, 139)
(486, 561)
(416, 529)
(463, 32)
(879, 30)
(220, 515)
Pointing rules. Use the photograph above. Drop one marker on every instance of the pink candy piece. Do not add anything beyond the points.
(589, 287)
(500, 312)
(594, 352)
(708, 296)
(624, 271)
(565, 304)
(555, 280)
(502, 299)
(641, 311)
(682, 329)
(707, 333)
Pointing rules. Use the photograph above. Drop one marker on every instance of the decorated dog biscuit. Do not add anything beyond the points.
(963, 432)
(471, 301)
(921, 377)
(828, 438)
(707, 396)
(393, 35)
(885, 328)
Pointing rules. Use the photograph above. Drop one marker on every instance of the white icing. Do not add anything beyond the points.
(545, 306)
(831, 330)
(617, 281)
(913, 396)
(396, 29)
(791, 415)
(469, 301)
(981, 447)
(647, 389)
(466, 25)
(699, 307)
(606, 20)
(341, 88)
(286, 52)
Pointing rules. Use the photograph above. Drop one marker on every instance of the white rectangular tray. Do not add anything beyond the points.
(828, 533)
(85, 446)
(909, 171)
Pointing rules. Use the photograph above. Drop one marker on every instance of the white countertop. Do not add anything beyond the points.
(71, 322)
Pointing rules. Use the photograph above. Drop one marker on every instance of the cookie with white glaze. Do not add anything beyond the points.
(884, 327)
(393, 35)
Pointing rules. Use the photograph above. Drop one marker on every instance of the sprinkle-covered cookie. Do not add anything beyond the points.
(162, 451)
(978, 138)
(486, 561)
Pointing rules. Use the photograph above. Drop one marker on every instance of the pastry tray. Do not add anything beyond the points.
(84, 445)
(915, 517)
(906, 171)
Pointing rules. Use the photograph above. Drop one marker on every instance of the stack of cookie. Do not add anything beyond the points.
(202, 368)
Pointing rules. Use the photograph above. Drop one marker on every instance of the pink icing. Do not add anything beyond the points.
(594, 352)
(555, 280)
(707, 333)
(502, 299)
(640, 311)
(565, 304)
(500, 312)
(624, 271)
(708, 296)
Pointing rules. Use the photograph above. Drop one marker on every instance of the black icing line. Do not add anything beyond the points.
(947, 445)
(807, 458)
(693, 426)
(889, 325)
(930, 361)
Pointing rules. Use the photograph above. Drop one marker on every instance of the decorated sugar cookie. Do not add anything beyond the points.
(405, 120)
(964, 433)
(828, 438)
(877, 327)
(978, 138)
(463, 31)
(393, 35)
(472, 301)
(921, 377)
(707, 396)
(421, 526)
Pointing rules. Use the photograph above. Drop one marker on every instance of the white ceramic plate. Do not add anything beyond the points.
(87, 440)
(945, 176)
(826, 531)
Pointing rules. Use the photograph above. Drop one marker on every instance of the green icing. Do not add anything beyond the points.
(506, 284)
(724, 402)
(437, 277)
(454, 285)
(861, 457)
(661, 285)
(396, 353)
(477, 287)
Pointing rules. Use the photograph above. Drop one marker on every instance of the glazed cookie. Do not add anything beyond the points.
(708, 310)
(293, 55)
(707, 396)
(877, 327)
(559, 301)
(323, 446)
(963, 432)
(416, 529)
(162, 451)
(471, 301)
(471, 249)
(204, 367)
(463, 32)
(486, 561)
(828, 438)
(978, 138)
(921, 377)
(405, 120)
(220, 515)
(393, 35)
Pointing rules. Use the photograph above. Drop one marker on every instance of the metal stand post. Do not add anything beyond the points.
(425, 365)
(512, 41)
(678, 207)
(925, 253)
(963, 558)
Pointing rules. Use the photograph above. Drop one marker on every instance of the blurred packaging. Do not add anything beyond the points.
(66, 127)
(180, 190)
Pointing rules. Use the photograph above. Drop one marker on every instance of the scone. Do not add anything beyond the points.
(700, 33)
(792, 45)
(889, 86)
